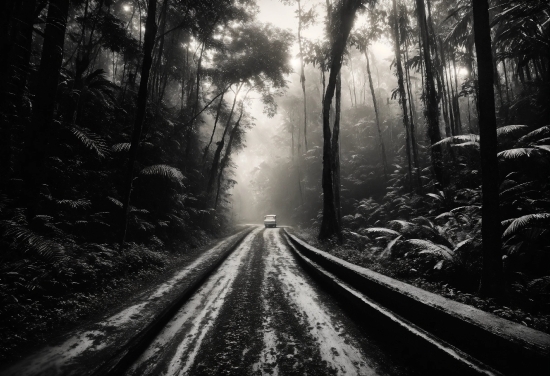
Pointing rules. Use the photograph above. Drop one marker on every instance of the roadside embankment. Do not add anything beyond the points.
(478, 341)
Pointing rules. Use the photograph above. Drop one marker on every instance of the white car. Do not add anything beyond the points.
(270, 221)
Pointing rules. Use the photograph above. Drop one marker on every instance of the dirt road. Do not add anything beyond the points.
(261, 314)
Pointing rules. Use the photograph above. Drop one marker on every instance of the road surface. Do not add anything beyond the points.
(261, 314)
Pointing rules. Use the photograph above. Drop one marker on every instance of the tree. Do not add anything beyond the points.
(40, 135)
(491, 278)
(432, 110)
(340, 27)
(141, 105)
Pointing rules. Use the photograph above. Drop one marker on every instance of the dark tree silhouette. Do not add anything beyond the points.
(141, 105)
(491, 277)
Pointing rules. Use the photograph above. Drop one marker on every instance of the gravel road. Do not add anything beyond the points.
(261, 314)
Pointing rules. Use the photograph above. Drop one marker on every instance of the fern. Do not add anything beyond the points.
(428, 247)
(164, 171)
(542, 131)
(510, 129)
(516, 153)
(27, 241)
(465, 138)
(75, 204)
(91, 141)
(540, 220)
(381, 230)
(123, 146)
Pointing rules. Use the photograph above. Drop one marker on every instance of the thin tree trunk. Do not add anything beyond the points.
(432, 112)
(218, 111)
(336, 148)
(377, 115)
(227, 155)
(302, 73)
(141, 105)
(15, 71)
(41, 131)
(414, 145)
(491, 276)
(402, 94)
(456, 96)
(217, 154)
(330, 226)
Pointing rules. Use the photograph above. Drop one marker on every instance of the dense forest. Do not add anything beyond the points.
(122, 122)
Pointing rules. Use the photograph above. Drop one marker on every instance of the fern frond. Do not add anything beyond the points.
(164, 171)
(75, 204)
(123, 146)
(91, 141)
(381, 230)
(387, 251)
(427, 247)
(542, 131)
(469, 138)
(540, 220)
(516, 153)
(509, 129)
(27, 241)
(543, 147)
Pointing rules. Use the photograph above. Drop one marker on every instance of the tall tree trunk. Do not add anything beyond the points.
(41, 131)
(336, 148)
(432, 111)
(227, 155)
(377, 115)
(302, 70)
(456, 96)
(141, 105)
(218, 111)
(15, 71)
(414, 145)
(330, 226)
(218, 152)
(491, 276)
(402, 93)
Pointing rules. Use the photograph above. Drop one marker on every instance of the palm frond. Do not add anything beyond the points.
(540, 220)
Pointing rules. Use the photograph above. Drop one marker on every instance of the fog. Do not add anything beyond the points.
(266, 169)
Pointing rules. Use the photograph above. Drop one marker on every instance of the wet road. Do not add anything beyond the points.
(261, 314)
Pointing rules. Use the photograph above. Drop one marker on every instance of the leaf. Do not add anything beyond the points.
(381, 230)
(91, 141)
(468, 138)
(516, 153)
(388, 249)
(164, 171)
(428, 247)
(540, 220)
(509, 129)
(123, 146)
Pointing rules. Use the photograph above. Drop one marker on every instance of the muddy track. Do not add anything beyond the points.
(261, 314)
